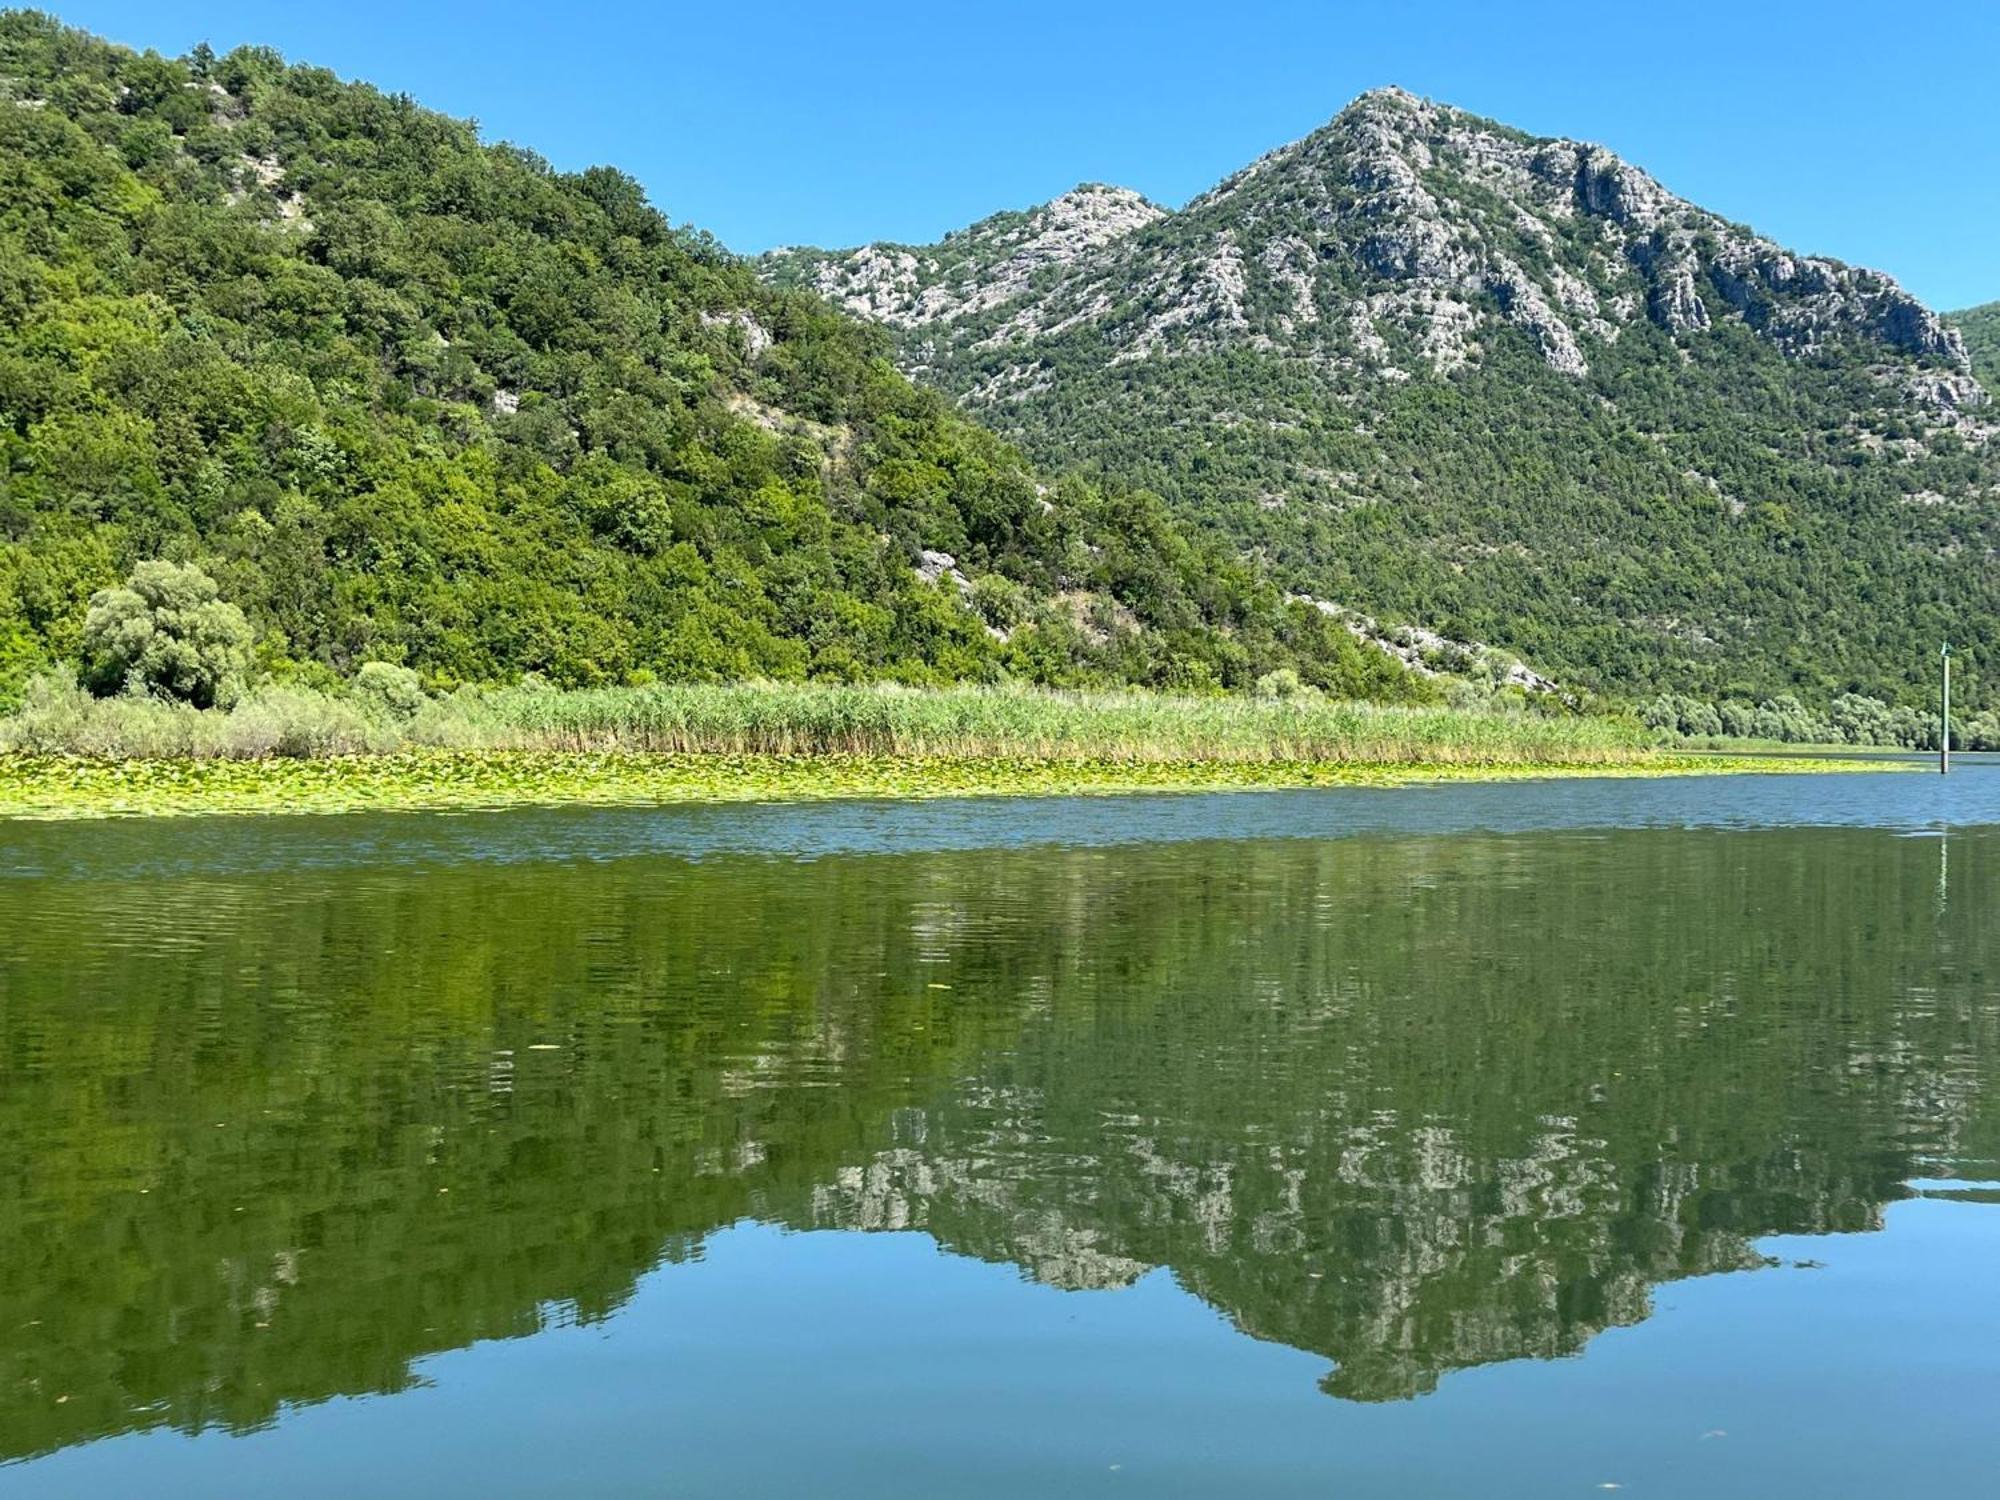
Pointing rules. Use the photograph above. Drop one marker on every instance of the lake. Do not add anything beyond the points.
(1523, 1139)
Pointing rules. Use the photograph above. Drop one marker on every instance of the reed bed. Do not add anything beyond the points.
(811, 720)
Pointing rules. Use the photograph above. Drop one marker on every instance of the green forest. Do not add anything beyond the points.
(1981, 327)
(1583, 535)
(413, 398)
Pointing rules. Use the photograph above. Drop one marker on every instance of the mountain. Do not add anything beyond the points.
(413, 397)
(1980, 328)
(1433, 368)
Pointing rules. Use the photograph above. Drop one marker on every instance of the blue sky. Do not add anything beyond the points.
(1866, 131)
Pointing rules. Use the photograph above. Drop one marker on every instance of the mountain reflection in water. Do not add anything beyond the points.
(1412, 1104)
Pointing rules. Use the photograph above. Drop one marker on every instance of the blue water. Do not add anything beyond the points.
(1510, 1140)
(1915, 801)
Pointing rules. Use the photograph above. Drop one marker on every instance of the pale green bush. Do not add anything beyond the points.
(389, 689)
(301, 722)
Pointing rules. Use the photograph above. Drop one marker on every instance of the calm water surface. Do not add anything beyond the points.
(1510, 1140)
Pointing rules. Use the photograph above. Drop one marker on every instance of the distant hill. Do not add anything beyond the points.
(417, 398)
(1980, 327)
(1507, 387)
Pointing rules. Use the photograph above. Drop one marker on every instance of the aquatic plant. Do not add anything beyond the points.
(69, 786)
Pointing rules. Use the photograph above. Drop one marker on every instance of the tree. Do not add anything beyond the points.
(168, 631)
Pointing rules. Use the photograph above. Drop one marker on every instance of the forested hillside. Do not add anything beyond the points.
(1505, 387)
(1981, 328)
(415, 398)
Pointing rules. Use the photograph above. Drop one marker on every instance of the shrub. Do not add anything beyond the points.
(1283, 683)
(1001, 602)
(293, 721)
(391, 690)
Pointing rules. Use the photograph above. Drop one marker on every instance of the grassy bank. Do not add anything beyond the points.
(66, 754)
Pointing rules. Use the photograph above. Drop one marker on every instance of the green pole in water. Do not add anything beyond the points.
(1944, 738)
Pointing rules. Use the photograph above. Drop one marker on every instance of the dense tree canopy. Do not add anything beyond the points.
(1981, 327)
(413, 398)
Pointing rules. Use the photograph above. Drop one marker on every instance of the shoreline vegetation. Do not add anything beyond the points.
(283, 749)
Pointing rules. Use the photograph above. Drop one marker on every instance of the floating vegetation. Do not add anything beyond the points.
(65, 786)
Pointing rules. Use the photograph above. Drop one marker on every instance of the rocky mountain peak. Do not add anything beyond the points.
(1402, 235)
(1460, 222)
(1090, 214)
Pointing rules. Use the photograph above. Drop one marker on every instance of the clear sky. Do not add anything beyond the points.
(1867, 131)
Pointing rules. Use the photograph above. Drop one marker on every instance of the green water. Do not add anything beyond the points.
(928, 1152)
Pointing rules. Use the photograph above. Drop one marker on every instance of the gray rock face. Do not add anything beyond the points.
(991, 263)
(756, 337)
(1402, 225)
(1674, 300)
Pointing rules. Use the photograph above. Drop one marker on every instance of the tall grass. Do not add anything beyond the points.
(816, 720)
(982, 723)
